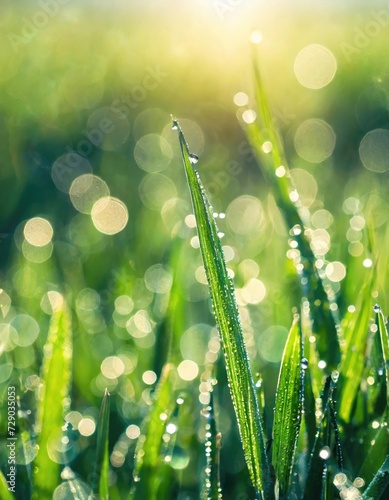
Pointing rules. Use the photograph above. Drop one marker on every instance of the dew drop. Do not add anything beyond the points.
(304, 363)
(335, 376)
(377, 308)
(193, 158)
(325, 453)
(174, 126)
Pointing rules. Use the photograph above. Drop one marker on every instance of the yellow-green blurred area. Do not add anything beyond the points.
(95, 208)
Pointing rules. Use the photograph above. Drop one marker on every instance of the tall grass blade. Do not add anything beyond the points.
(380, 322)
(221, 288)
(212, 452)
(267, 145)
(5, 494)
(353, 362)
(288, 410)
(53, 402)
(148, 466)
(102, 452)
(379, 483)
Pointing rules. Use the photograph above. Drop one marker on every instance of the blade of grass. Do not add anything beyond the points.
(379, 483)
(353, 357)
(288, 409)
(5, 493)
(102, 454)
(148, 454)
(221, 288)
(212, 452)
(380, 322)
(72, 488)
(267, 145)
(54, 400)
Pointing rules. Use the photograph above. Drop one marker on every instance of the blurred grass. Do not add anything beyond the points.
(88, 57)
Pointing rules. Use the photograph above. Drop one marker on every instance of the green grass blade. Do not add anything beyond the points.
(5, 494)
(73, 488)
(352, 364)
(221, 288)
(380, 322)
(54, 400)
(212, 452)
(147, 471)
(288, 409)
(102, 453)
(264, 132)
(379, 482)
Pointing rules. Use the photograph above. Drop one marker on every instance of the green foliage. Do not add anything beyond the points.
(102, 452)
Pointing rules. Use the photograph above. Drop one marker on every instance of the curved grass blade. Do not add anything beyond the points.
(102, 454)
(379, 483)
(212, 452)
(54, 400)
(353, 358)
(147, 473)
(267, 145)
(5, 493)
(288, 409)
(380, 322)
(221, 288)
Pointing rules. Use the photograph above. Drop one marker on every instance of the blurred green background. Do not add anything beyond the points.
(87, 90)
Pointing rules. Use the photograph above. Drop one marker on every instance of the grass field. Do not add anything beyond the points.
(194, 251)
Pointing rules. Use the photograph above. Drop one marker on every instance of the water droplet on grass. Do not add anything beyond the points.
(174, 126)
(377, 308)
(304, 363)
(193, 158)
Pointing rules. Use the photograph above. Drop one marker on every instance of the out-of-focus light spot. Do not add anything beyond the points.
(320, 241)
(51, 302)
(256, 37)
(205, 398)
(171, 428)
(149, 121)
(229, 253)
(155, 190)
(322, 219)
(271, 343)
(149, 377)
(133, 431)
(124, 304)
(280, 171)
(267, 147)
(305, 185)
(355, 249)
(112, 367)
(153, 153)
(374, 150)
(195, 242)
(190, 221)
(37, 254)
(188, 370)
(314, 140)
(335, 271)
(87, 300)
(241, 99)
(38, 232)
(74, 418)
(5, 303)
(340, 479)
(315, 66)
(86, 426)
(200, 275)
(375, 424)
(25, 330)
(109, 215)
(357, 222)
(367, 263)
(245, 215)
(325, 453)
(86, 190)
(254, 291)
(370, 380)
(322, 364)
(353, 235)
(249, 269)
(294, 196)
(139, 325)
(194, 342)
(67, 168)
(249, 116)
(108, 129)
(158, 279)
(351, 205)
(359, 482)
